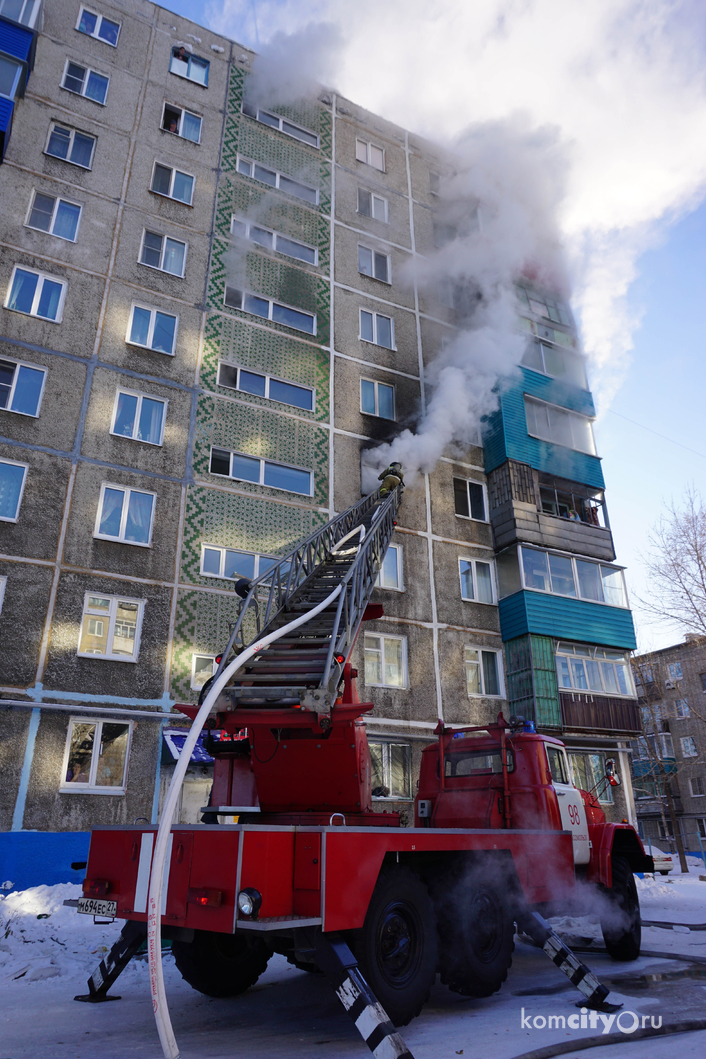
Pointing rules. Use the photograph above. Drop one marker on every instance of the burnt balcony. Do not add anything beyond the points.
(600, 713)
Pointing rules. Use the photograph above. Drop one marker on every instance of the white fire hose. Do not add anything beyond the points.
(154, 904)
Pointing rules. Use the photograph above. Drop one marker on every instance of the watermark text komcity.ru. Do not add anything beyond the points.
(624, 1021)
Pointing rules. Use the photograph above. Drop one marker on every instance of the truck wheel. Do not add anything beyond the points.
(220, 965)
(476, 937)
(621, 926)
(396, 947)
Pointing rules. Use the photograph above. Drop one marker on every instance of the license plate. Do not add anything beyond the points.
(92, 906)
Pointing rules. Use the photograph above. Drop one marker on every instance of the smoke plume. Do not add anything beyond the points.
(293, 66)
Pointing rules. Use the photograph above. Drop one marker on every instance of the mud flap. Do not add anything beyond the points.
(109, 970)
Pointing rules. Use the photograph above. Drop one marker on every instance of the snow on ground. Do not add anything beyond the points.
(44, 962)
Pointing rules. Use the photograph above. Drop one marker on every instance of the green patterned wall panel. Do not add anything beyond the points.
(236, 342)
(201, 627)
(264, 433)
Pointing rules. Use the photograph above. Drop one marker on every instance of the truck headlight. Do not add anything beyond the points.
(249, 901)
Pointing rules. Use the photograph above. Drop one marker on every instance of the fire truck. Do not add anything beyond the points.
(501, 836)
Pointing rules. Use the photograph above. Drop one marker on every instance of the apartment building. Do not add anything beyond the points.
(206, 315)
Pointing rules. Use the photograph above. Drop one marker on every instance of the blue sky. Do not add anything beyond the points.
(623, 84)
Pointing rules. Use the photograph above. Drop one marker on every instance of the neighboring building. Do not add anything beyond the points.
(203, 322)
(672, 750)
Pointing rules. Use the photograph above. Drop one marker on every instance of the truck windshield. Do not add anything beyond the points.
(476, 763)
(557, 764)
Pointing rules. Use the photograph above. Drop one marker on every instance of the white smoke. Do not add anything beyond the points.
(293, 66)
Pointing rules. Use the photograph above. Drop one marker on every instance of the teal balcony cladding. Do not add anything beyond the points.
(505, 434)
(544, 388)
(566, 619)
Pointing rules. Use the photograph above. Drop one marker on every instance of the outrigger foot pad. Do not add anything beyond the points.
(341, 968)
(108, 970)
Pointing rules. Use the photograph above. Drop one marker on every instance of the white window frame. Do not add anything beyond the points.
(195, 655)
(483, 694)
(375, 315)
(3, 586)
(93, 788)
(561, 311)
(12, 60)
(366, 147)
(111, 618)
(371, 275)
(386, 744)
(681, 709)
(573, 559)
(276, 236)
(23, 364)
(542, 344)
(690, 742)
(493, 584)
(140, 396)
(222, 548)
(28, 20)
(180, 122)
(279, 176)
(100, 18)
(15, 463)
(484, 487)
(153, 319)
(674, 671)
(596, 657)
(255, 112)
(43, 276)
(173, 170)
(88, 70)
(72, 137)
(702, 792)
(120, 539)
(371, 215)
(377, 383)
(396, 550)
(190, 55)
(263, 462)
(564, 411)
(272, 304)
(57, 200)
(268, 379)
(159, 268)
(384, 637)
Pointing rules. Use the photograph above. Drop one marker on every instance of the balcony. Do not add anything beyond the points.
(600, 713)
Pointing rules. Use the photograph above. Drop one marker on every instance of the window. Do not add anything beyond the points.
(70, 145)
(377, 328)
(283, 124)
(184, 64)
(139, 417)
(36, 294)
(688, 746)
(54, 216)
(172, 183)
(96, 756)
(85, 82)
(274, 241)
(702, 677)
(385, 661)
(22, 11)
(12, 484)
(159, 251)
(701, 825)
(110, 627)
(94, 25)
(434, 183)
(559, 425)
(371, 205)
(261, 472)
(681, 708)
(10, 75)
(390, 574)
(599, 669)
(483, 671)
(550, 334)
(3, 585)
(563, 575)
(270, 310)
(391, 770)
(674, 670)
(477, 581)
(370, 154)
(588, 773)
(231, 564)
(202, 669)
(125, 515)
(265, 386)
(550, 308)
(377, 399)
(459, 764)
(278, 180)
(559, 363)
(469, 499)
(571, 500)
(374, 264)
(21, 387)
(182, 123)
(698, 789)
(152, 329)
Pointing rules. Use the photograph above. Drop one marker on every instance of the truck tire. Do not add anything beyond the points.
(220, 965)
(476, 935)
(622, 933)
(396, 947)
